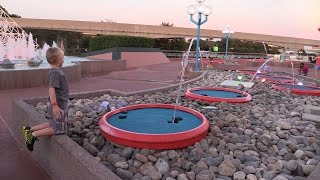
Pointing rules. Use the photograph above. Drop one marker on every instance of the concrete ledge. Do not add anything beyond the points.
(17, 79)
(101, 66)
(60, 156)
(120, 49)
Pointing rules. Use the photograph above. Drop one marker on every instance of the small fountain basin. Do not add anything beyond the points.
(298, 89)
(151, 126)
(250, 72)
(276, 79)
(218, 94)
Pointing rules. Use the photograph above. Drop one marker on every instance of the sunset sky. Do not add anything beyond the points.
(293, 18)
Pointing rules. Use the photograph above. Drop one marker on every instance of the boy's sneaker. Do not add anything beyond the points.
(29, 139)
(25, 130)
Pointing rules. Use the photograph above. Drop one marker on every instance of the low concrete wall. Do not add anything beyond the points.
(102, 66)
(15, 79)
(60, 156)
(106, 56)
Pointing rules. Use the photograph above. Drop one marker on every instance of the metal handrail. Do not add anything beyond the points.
(209, 54)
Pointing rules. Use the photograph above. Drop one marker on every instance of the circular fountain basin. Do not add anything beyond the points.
(250, 72)
(218, 94)
(25, 65)
(276, 79)
(297, 89)
(150, 126)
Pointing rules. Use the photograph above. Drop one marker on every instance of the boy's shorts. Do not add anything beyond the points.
(58, 125)
(317, 67)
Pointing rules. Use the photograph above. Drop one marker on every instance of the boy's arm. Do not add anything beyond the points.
(53, 101)
(52, 95)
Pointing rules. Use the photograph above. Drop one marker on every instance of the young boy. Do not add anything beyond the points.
(303, 69)
(317, 67)
(57, 102)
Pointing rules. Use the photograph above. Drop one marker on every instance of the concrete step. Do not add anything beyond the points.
(314, 109)
(311, 117)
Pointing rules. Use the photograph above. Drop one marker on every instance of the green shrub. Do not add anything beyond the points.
(105, 42)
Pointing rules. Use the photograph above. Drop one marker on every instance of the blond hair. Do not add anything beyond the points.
(53, 54)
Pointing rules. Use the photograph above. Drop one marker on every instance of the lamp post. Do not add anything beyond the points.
(199, 9)
(228, 33)
(300, 52)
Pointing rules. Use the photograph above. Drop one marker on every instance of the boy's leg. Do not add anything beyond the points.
(40, 126)
(28, 137)
(44, 132)
(31, 137)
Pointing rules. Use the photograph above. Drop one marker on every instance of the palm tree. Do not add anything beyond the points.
(166, 24)
(11, 15)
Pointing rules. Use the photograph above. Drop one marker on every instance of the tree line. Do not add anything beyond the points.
(76, 43)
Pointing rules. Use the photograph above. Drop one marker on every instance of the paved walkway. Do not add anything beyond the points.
(15, 162)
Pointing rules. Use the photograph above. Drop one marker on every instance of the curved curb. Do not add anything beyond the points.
(270, 80)
(250, 72)
(247, 97)
(154, 141)
(298, 91)
(316, 81)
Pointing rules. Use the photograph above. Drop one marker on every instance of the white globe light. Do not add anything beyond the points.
(227, 30)
(201, 9)
(191, 10)
(207, 11)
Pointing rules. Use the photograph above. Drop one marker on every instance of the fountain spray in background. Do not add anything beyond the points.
(15, 43)
(180, 86)
(31, 47)
(2, 51)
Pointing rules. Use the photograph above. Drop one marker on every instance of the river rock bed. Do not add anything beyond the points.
(263, 139)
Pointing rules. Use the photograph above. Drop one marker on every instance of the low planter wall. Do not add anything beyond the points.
(17, 79)
(101, 66)
(60, 156)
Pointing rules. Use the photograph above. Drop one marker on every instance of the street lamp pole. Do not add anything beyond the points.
(199, 9)
(228, 32)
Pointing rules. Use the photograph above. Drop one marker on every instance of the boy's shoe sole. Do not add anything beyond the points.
(30, 145)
